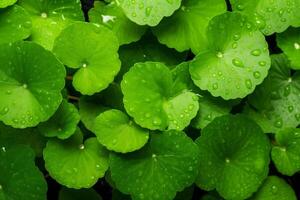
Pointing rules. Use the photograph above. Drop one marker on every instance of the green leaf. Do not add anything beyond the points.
(11, 137)
(5, 3)
(117, 132)
(31, 83)
(270, 15)
(148, 49)
(50, 17)
(20, 178)
(286, 151)
(148, 12)
(112, 16)
(237, 59)
(71, 194)
(289, 42)
(15, 24)
(168, 164)
(234, 157)
(74, 163)
(209, 108)
(63, 123)
(96, 68)
(277, 98)
(274, 188)
(186, 29)
(153, 100)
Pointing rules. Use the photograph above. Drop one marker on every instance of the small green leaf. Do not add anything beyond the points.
(286, 152)
(234, 157)
(148, 12)
(71, 194)
(168, 164)
(186, 29)
(5, 3)
(15, 24)
(76, 164)
(112, 16)
(153, 100)
(277, 99)
(236, 61)
(20, 178)
(117, 132)
(50, 17)
(274, 188)
(63, 123)
(96, 68)
(289, 42)
(31, 83)
(270, 15)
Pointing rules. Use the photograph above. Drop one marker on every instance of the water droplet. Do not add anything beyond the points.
(274, 189)
(190, 168)
(8, 92)
(256, 52)
(297, 116)
(248, 84)
(227, 160)
(290, 108)
(4, 111)
(215, 86)
(237, 62)
(278, 123)
(44, 15)
(81, 146)
(240, 7)
(157, 121)
(234, 45)
(287, 90)
(296, 45)
(220, 55)
(148, 11)
(133, 14)
(262, 63)
(256, 74)
(236, 37)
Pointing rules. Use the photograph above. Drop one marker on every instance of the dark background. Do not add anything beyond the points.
(103, 188)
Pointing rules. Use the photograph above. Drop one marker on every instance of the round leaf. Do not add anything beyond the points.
(15, 24)
(76, 164)
(234, 157)
(71, 194)
(277, 99)
(270, 15)
(118, 133)
(274, 188)
(148, 12)
(289, 42)
(63, 123)
(286, 152)
(20, 178)
(152, 99)
(168, 164)
(5, 3)
(186, 29)
(31, 83)
(50, 17)
(237, 59)
(96, 67)
(112, 16)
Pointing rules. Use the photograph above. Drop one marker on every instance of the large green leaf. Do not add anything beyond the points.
(237, 59)
(31, 83)
(15, 24)
(117, 132)
(74, 163)
(168, 164)
(234, 157)
(112, 16)
(153, 99)
(270, 15)
(20, 178)
(286, 151)
(96, 67)
(277, 99)
(275, 188)
(148, 12)
(289, 42)
(50, 17)
(186, 29)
